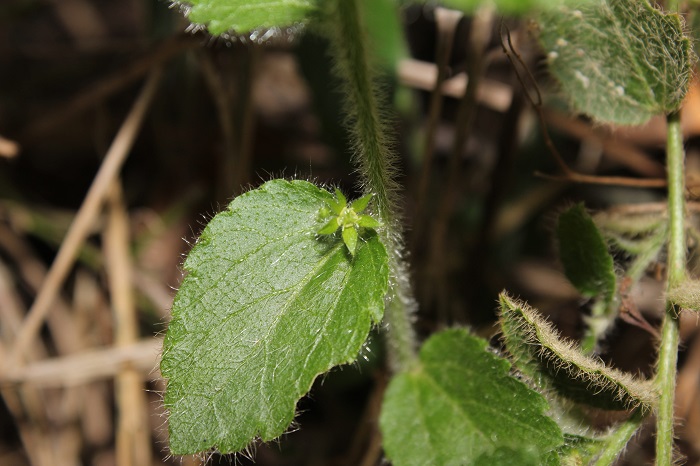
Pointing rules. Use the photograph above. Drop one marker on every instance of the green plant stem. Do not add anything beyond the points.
(375, 161)
(615, 443)
(668, 350)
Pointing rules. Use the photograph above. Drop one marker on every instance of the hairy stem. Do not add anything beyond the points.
(616, 442)
(668, 350)
(375, 161)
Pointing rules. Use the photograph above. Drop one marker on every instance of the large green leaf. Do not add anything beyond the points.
(267, 305)
(245, 15)
(556, 363)
(619, 61)
(460, 406)
(584, 254)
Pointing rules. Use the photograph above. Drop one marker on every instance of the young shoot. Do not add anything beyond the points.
(347, 218)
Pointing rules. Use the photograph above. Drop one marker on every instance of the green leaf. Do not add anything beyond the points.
(553, 362)
(330, 227)
(341, 200)
(358, 205)
(245, 15)
(368, 222)
(584, 254)
(619, 61)
(350, 239)
(460, 403)
(267, 305)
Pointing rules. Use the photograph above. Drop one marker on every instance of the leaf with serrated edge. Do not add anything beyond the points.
(554, 362)
(245, 15)
(460, 403)
(584, 254)
(618, 61)
(267, 306)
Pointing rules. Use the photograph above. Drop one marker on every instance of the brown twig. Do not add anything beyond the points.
(575, 177)
(8, 148)
(54, 118)
(88, 210)
(88, 366)
(446, 22)
(133, 436)
(616, 149)
(536, 102)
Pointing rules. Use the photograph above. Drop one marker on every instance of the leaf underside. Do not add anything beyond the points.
(245, 15)
(618, 61)
(553, 362)
(267, 306)
(461, 406)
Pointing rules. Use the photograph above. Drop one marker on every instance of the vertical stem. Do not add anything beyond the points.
(375, 161)
(668, 351)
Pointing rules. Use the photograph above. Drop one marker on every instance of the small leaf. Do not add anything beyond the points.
(358, 205)
(267, 306)
(244, 15)
(368, 222)
(460, 403)
(350, 239)
(330, 227)
(553, 362)
(342, 201)
(619, 61)
(584, 254)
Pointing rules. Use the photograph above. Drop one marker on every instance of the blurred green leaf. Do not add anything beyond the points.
(385, 32)
(584, 254)
(618, 61)
(461, 406)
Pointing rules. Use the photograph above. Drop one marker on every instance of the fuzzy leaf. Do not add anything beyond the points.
(554, 362)
(686, 295)
(619, 61)
(245, 15)
(460, 405)
(267, 305)
(584, 254)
